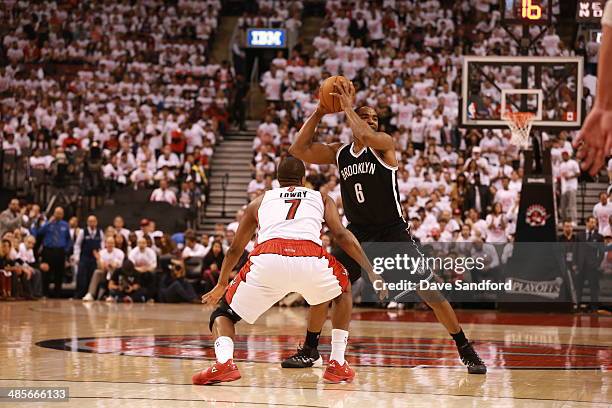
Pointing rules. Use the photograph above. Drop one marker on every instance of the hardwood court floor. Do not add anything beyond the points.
(144, 355)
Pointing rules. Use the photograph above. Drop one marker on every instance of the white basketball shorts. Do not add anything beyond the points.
(278, 267)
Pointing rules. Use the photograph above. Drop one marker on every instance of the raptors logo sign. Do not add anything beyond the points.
(536, 215)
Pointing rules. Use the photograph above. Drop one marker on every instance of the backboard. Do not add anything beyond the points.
(549, 87)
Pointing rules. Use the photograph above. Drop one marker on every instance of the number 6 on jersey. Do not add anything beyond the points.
(359, 193)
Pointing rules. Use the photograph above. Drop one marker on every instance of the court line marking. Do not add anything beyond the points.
(361, 346)
(37, 306)
(315, 388)
(161, 336)
(281, 346)
(419, 366)
(458, 367)
(213, 401)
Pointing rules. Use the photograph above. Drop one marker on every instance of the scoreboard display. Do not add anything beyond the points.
(537, 12)
(589, 11)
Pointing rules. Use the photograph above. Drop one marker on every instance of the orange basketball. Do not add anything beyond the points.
(329, 102)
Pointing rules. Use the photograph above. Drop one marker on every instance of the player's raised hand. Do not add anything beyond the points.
(213, 297)
(345, 94)
(594, 141)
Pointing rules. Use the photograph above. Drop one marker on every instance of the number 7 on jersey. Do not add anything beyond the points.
(294, 206)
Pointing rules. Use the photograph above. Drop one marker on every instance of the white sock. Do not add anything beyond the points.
(339, 340)
(224, 349)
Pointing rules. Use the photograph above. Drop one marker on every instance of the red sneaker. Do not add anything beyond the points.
(217, 373)
(336, 373)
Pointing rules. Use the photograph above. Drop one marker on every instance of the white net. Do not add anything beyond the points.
(520, 124)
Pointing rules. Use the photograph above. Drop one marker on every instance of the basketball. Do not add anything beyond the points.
(329, 102)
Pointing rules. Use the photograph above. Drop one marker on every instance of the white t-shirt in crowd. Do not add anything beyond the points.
(341, 25)
(143, 258)
(272, 87)
(41, 162)
(271, 128)
(25, 254)
(569, 168)
(507, 198)
(255, 185)
(602, 213)
(113, 258)
(198, 250)
(171, 161)
(495, 234)
(418, 130)
(160, 195)
(481, 226)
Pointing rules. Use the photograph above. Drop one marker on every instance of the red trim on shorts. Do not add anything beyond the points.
(231, 290)
(340, 271)
(288, 247)
(295, 247)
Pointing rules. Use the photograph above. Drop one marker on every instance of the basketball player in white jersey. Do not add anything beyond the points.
(595, 138)
(288, 258)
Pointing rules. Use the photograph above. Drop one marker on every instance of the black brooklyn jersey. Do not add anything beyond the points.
(370, 195)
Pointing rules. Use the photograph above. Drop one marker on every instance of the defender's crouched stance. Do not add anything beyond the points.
(288, 258)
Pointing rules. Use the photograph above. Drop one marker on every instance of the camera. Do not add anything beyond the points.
(177, 269)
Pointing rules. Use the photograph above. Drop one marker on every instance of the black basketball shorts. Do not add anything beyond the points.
(399, 240)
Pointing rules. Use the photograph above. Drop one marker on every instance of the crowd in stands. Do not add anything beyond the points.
(285, 14)
(111, 263)
(272, 14)
(404, 58)
(127, 84)
(116, 264)
(131, 85)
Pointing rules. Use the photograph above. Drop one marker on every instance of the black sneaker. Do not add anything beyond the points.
(305, 357)
(470, 358)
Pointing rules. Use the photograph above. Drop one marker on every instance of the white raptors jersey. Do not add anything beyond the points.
(291, 213)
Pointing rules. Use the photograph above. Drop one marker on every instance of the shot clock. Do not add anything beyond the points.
(537, 12)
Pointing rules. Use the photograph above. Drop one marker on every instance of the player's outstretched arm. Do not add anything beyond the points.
(349, 244)
(305, 149)
(246, 229)
(595, 138)
(361, 130)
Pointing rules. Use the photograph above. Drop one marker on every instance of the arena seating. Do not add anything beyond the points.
(112, 99)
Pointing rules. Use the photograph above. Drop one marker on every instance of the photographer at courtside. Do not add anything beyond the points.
(174, 288)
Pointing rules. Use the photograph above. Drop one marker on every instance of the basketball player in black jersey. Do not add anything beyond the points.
(370, 198)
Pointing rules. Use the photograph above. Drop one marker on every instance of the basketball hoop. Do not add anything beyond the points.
(520, 125)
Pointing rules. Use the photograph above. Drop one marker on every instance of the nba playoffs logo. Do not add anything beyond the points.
(471, 110)
(536, 215)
